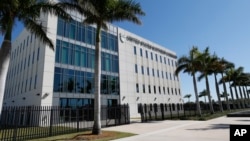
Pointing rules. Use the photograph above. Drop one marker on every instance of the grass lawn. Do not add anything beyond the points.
(105, 136)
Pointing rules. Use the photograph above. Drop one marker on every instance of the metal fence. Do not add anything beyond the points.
(150, 112)
(23, 123)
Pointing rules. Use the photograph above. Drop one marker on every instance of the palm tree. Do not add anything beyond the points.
(187, 64)
(241, 80)
(228, 78)
(28, 13)
(107, 11)
(203, 93)
(224, 95)
(188, 97)
(215, 69)
(231, 76)
(223, 66)
(205, 64)
(237, 76)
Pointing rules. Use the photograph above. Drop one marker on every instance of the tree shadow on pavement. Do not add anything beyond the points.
(213, 127)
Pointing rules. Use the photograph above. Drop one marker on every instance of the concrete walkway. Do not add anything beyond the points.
(181, 130)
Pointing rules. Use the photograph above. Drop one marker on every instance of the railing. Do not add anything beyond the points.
(151, 112)
(23, 123)
(160, 111)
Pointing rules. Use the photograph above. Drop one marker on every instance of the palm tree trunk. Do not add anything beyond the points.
(225, 90)
(4, 62)
(233, 100)
(97, 103)
(242, 98)
(209, 96)
(237, 97)
(4, 65)
(218, 92)
(196, 96)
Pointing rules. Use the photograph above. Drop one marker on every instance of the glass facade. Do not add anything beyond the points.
(76, 102)
(81, 80)
(84, 33)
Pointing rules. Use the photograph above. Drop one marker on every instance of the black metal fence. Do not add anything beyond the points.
(150, 112)
(160, 111)
(23, 123)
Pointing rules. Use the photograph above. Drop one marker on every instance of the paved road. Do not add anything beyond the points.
(181, 130)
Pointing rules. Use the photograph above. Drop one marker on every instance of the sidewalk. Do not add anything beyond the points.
(180, 130)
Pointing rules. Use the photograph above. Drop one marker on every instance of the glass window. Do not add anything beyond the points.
(146, 53)
(136, 69)
(115, 65)
(38, 53)
(134, 50)
(112, 102)
(58, 50)
(154, 89)
(77, 55)
(104, 41)
(159, 89)
(30, 83)
(141, 52)
(91, 58)
(89, 85)
(112, 42)
(151, 56)
(72, 30)
(29, 61)
(156, 57)
(83, 32)
(90, 35)
(84, 57)
(142, 70)
(26, 85)
(107, 61)
(65, 53)
(143, 88)
(153, 73)
(148, 70)
(60, 27)
(35, 81)
(137, 87)
(149, 89)
(57, 83)
(33, 56)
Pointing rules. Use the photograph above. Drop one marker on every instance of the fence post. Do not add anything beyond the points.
(51, 121)
(128, 113)
(16, 116)
(77, 118)
(178, 109)
(170, 106)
